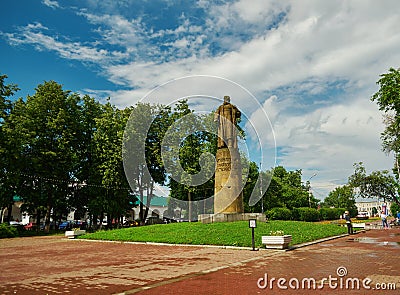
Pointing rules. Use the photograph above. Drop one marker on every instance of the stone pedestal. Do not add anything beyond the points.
(230, 217)
(228, 197)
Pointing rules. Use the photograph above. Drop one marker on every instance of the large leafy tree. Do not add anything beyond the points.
(144, 167)
(108, 138)
(293, 193)
(341, 197)
(193, 175)
(87, 174)
(7, 150)
(388, 100)
(377, 184)
(46, 125)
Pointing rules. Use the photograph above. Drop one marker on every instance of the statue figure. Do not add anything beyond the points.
(228, 197)
(227, 116)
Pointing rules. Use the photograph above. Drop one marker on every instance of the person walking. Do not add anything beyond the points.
(384, 220)
(348, 222)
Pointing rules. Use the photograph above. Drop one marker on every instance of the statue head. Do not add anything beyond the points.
(227, 99)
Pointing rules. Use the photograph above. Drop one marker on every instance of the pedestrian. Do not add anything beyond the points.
(384, 220)
(348, 222)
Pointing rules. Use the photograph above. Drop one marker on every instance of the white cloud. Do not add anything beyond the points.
(51, 4)
(328, 140)
(316, 61)
(34, 34)
(318, 48)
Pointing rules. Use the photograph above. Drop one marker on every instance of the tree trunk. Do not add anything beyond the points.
(9, 212)
(38, 216)
(141, 209)
(47, 218)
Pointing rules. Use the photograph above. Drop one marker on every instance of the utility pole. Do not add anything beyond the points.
(309, 190)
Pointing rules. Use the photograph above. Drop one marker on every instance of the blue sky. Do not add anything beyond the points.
(310, 66)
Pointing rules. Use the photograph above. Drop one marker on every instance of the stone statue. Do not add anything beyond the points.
(228, 197)
(227, 115)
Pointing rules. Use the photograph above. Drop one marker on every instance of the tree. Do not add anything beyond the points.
(108, 138)
(378, 184)
(143, 165)
(394, 208)
(388, 100)
(46, 125)
(7, 151)
(187, 152)
(87, 174)
(341, 197)
(289, 190)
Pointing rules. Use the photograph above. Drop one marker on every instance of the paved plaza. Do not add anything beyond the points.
(365, 263)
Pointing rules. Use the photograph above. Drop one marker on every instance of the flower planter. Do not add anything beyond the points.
(71, 234)
(276, 242)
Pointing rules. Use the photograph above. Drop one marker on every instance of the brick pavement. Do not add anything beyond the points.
(373, 254)
(53, 265)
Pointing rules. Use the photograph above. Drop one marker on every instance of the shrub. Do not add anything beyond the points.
(7, 231)
(279, 214)
(331, 213)
(305, 214)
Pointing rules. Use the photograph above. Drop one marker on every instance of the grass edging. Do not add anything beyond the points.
(236, 234)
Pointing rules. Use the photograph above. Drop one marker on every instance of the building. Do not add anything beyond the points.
(367, 206)
(158, 207)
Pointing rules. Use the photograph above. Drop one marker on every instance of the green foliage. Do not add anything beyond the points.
(279, 213)
(305, 214)
(378, 184)
(394, 208)
(227, 234)
(7, 231)
(331, 213)
(388, 95)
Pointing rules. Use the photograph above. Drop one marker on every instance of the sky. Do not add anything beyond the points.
(301, 72)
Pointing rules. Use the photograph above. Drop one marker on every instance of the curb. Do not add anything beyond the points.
(294, 247)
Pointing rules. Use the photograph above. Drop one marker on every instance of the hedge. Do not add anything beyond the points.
(279, 214)
(331, 213)
(305, 214)
(7, 231)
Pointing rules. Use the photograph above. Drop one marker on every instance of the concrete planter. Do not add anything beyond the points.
(276, 242)
(71, 234)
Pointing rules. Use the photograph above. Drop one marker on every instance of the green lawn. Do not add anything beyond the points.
(227, 234)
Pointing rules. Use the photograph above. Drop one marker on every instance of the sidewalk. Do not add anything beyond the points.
(373, 254)
(54, 265)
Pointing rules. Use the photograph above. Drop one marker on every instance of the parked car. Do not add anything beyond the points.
(66, 225)
(362, 215)
(153, 220)
(30, 226)
(168, 220)
(130, 223)
(79, 223)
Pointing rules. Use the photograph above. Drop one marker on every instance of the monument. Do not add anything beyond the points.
(228, 196)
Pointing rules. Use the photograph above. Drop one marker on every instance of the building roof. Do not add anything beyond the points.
(155, 201)
(17, 198)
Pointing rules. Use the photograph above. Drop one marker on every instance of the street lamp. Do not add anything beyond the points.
(309, 190)
(261, 192)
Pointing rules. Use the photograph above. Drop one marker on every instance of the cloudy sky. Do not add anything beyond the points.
(302, 72)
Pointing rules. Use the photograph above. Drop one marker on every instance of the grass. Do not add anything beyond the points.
(226, 234)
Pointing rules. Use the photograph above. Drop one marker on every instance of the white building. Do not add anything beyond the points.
(367, 206)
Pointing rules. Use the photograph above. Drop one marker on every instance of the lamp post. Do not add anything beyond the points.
(309, 190)
(261, 192)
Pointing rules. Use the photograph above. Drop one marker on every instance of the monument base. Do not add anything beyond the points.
(229, 217)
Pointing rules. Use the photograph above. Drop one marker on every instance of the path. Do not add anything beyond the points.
(54, 265)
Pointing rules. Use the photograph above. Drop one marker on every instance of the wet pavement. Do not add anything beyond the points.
(365, 263)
